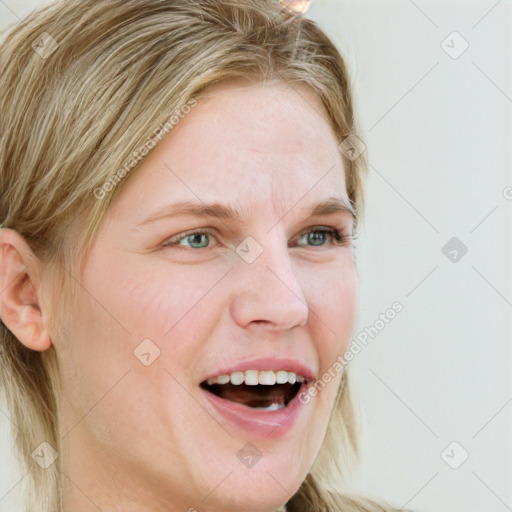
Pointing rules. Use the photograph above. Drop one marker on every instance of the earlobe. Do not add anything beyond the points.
(20, 292)
(31, 331)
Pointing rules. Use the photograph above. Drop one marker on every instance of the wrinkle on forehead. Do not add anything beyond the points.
(260, 147)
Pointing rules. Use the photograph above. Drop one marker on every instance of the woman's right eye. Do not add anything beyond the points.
(193, 239)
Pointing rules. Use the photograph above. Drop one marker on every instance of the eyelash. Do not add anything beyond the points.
(337, 237)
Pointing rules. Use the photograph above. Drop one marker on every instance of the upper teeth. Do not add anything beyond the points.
(254, 377)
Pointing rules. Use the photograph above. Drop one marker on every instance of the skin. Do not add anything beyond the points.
(141, 438)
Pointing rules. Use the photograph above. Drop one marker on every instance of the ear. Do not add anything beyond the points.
(20, 291)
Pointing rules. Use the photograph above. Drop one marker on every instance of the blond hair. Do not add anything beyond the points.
(85, 84)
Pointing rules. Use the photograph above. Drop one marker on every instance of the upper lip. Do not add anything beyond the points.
(266, 363)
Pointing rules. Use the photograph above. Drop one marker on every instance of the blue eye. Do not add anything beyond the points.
(195, 240)
(318, 237)
(315, 237)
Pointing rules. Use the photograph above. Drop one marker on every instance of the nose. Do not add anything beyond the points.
(267, 290)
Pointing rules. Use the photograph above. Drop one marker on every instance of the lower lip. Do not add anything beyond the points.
(255, 423)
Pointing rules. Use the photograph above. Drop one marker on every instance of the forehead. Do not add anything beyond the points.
(249, 143)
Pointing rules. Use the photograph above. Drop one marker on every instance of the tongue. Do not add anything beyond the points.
(255, 396)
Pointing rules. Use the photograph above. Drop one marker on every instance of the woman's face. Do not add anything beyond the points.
(261, 286)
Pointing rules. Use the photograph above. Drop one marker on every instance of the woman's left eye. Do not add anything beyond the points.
(317, 237)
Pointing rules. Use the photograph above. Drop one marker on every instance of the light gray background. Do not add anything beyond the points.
(439, 133)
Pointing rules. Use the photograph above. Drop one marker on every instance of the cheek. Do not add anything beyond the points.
(176, 308)
(152, 299)
(172, 300)
(101, 371)
(334, 304)
(333, 301)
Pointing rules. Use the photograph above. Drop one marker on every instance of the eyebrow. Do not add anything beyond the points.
(230, 213)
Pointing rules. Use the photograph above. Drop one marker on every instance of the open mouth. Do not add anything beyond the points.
(263, 390)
